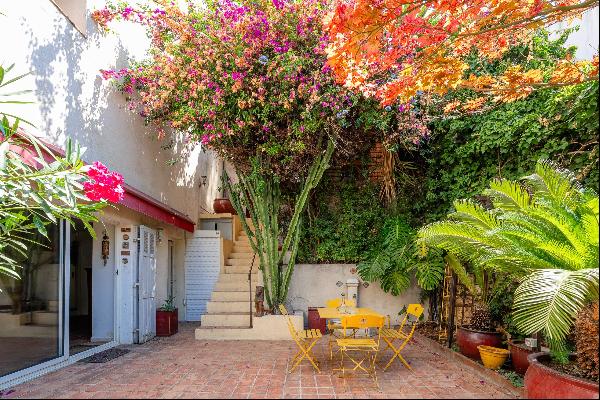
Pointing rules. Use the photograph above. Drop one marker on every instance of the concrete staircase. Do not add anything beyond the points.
(229, 306)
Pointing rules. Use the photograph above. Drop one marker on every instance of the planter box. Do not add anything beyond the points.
(468, 340)
(543, 382)
(518, 354)
(166, 323)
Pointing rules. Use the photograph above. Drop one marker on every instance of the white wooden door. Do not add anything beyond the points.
(147, 284)
(202, 267)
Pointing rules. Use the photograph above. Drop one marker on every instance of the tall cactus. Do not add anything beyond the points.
(260, 194)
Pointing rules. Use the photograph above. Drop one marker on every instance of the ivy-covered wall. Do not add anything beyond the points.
(345, 216)
(463, 154)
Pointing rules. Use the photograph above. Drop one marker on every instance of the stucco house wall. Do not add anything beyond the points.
(313, 284)
(71, 100)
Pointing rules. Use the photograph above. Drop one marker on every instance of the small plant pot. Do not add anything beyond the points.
(468, 339)
(492, 357)
(223, 206)
(166, 322)
(518, 354)
(543, 382)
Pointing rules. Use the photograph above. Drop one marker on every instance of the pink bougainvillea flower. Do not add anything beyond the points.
(103, 184)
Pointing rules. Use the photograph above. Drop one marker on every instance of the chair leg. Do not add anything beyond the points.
(306, 353)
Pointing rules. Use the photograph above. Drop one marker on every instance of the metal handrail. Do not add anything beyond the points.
(250, 284)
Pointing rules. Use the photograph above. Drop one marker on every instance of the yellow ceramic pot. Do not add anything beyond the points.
(492, 357)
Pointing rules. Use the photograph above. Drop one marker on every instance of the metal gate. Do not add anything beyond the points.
(146, 284)
(202, 267)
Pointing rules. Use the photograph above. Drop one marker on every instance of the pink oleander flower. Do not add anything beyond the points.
(103, 184)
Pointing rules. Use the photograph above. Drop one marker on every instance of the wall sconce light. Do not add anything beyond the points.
(203, 182)
(159, 235)
(105, 247)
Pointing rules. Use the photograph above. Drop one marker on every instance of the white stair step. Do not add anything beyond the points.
(237, 278)
(220, 307)
(232, 286)
(240, 269)
(245, 255)
(231, 295)
(225, 320)
(239, 261)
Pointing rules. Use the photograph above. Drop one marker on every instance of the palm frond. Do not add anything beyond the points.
(548, 301)
(469, 211)
(508, 195)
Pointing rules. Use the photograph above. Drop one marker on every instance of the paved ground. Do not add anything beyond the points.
(181, 367)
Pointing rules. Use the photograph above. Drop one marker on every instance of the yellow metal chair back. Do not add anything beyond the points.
(305, 341)
(390, 335)
(413, 310)
(335, 303)
(355, 348)
(355, 322)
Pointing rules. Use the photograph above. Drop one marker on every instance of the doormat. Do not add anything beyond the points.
(105, 356)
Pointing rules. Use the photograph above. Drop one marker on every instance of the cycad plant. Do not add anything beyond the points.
(543, 229)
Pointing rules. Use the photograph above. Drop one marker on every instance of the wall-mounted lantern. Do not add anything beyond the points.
(203, 182)
(105, 247)
(159, 235)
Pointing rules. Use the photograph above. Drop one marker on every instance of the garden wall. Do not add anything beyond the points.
(313, 284)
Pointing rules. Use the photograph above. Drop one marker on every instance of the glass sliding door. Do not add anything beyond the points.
(31, 308)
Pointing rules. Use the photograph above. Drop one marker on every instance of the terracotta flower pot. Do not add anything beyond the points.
(166, 322)
(543, 382)
(222, 206)
(518, 354)
(468, 340)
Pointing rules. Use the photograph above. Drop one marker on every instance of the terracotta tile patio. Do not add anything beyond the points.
(181, 367)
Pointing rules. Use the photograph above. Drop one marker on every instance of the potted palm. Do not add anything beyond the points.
(543, 230)
(167, 318)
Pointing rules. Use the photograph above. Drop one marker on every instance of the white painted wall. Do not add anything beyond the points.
(71, 100)
(103, 286)
(313, 284)
(586, 38)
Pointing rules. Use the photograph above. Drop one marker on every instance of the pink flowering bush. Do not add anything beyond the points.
(241, 78)
(103, 184)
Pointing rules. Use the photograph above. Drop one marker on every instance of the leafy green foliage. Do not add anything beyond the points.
(544, 230)
(260, 195)
(515, 379)
(466, 153)
(343, 222)
(395, 259)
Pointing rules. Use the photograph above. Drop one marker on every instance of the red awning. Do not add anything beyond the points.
(134, 199)
(142, 203)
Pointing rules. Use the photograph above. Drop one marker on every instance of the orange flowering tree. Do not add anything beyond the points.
(396, 49)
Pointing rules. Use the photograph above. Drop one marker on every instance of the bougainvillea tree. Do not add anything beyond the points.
(249, 81)
(395, 49)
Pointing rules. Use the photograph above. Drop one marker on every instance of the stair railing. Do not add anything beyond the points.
(250, 284)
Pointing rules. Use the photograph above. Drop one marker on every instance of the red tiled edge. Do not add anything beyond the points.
(479, 369)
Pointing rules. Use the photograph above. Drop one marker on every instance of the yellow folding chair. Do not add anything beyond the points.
(361, 351)
(391, 335)
(334, 326)
(305, 339)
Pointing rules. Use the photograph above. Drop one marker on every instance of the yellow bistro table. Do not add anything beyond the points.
(334, 313)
